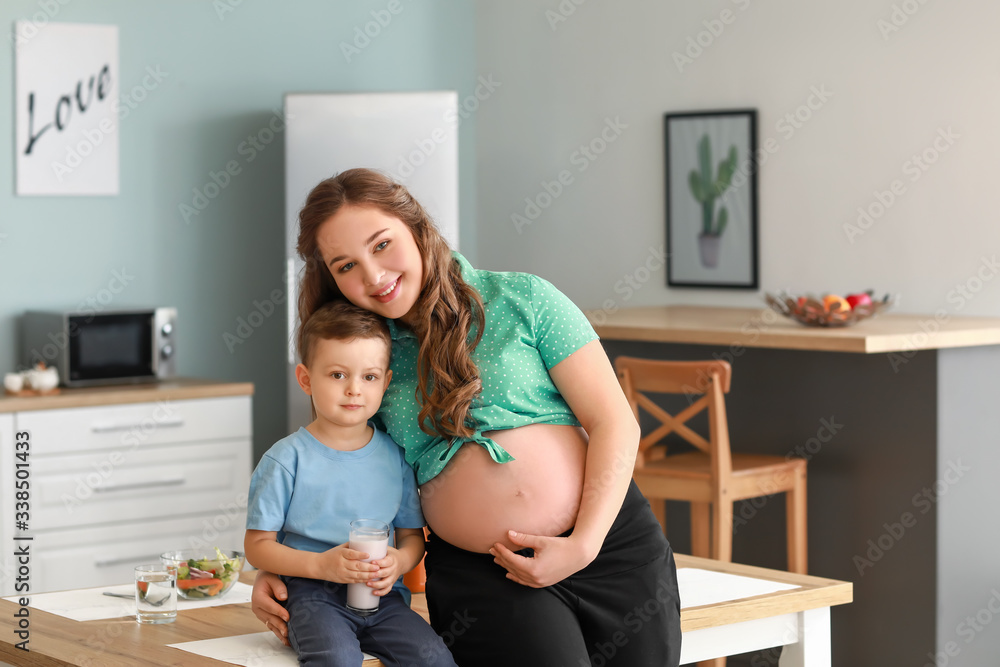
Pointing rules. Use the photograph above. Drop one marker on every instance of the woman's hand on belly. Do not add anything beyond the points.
(555, 558)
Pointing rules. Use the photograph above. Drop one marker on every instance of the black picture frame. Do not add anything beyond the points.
(711, 219)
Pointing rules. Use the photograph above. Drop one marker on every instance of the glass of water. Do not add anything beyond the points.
(155, 593)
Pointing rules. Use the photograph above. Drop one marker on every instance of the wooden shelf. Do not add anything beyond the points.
(171, 390)
(764, 328)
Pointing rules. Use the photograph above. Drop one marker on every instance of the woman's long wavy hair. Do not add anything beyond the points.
(446, 311)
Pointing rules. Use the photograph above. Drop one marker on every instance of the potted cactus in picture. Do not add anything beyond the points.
(706, 189)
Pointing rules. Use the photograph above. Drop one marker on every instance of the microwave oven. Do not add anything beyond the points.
(94, 348)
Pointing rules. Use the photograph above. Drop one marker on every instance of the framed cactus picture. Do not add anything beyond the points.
(711, 188)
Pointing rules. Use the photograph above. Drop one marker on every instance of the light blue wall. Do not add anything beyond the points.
(223, 77)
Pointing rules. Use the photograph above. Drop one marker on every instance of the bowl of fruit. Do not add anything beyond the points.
(202, 573)
(831, 310)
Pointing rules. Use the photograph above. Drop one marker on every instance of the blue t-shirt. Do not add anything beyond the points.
(309, 493)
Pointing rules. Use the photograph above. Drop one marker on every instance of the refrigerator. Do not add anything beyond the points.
(413, 137)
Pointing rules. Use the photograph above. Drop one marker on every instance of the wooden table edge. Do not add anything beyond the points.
(813, 593)
(764, 606)
(763, 328)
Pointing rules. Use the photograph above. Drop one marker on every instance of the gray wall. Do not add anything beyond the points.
(889, 98)
(894, 84)
(225, 74)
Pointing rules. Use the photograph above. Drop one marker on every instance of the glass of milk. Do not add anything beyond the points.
(372, 537)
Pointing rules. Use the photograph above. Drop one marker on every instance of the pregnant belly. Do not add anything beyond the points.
(474, 501)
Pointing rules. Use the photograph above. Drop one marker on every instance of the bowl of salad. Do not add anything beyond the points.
(202, 573)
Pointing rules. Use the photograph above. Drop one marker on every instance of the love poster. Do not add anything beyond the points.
(66, 103)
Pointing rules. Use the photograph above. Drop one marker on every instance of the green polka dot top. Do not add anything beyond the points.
(530, 327)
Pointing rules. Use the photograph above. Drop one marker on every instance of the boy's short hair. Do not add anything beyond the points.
(341, 320)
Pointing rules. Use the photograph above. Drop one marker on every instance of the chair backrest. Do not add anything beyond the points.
(709, 380)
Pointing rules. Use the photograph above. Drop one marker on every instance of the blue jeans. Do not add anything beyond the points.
(323, 631)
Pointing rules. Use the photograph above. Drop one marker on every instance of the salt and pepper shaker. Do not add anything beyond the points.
(13, 382)
(39, 378)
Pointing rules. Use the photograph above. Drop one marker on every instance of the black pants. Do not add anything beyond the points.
(622, 609)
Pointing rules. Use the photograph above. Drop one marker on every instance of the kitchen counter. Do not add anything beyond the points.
(897, 418)
(101, 478)
(176, 389)
(764, 328)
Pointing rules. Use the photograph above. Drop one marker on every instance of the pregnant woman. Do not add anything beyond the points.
(542, 551)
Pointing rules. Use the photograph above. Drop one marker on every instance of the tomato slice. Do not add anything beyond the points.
(196, 583)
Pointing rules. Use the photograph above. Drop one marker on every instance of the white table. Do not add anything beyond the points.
(796, 618)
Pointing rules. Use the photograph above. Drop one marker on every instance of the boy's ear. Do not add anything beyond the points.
(302, 376)
(388, 376)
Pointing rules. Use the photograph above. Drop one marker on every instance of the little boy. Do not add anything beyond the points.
(308, 488)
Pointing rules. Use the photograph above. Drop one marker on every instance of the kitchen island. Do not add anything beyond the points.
(897, 418)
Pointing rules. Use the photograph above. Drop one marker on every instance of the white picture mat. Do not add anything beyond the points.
(50, 61)
(702, 587)
(91, 604)
(260, 648)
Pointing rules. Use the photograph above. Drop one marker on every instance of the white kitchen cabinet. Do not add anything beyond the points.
(118, 477)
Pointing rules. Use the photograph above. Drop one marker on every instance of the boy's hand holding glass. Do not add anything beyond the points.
(343, 565)
(389, 571)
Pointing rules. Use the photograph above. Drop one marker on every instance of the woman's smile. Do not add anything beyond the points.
(389, 293)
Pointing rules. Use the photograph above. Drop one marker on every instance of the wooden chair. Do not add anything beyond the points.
(711, 478)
